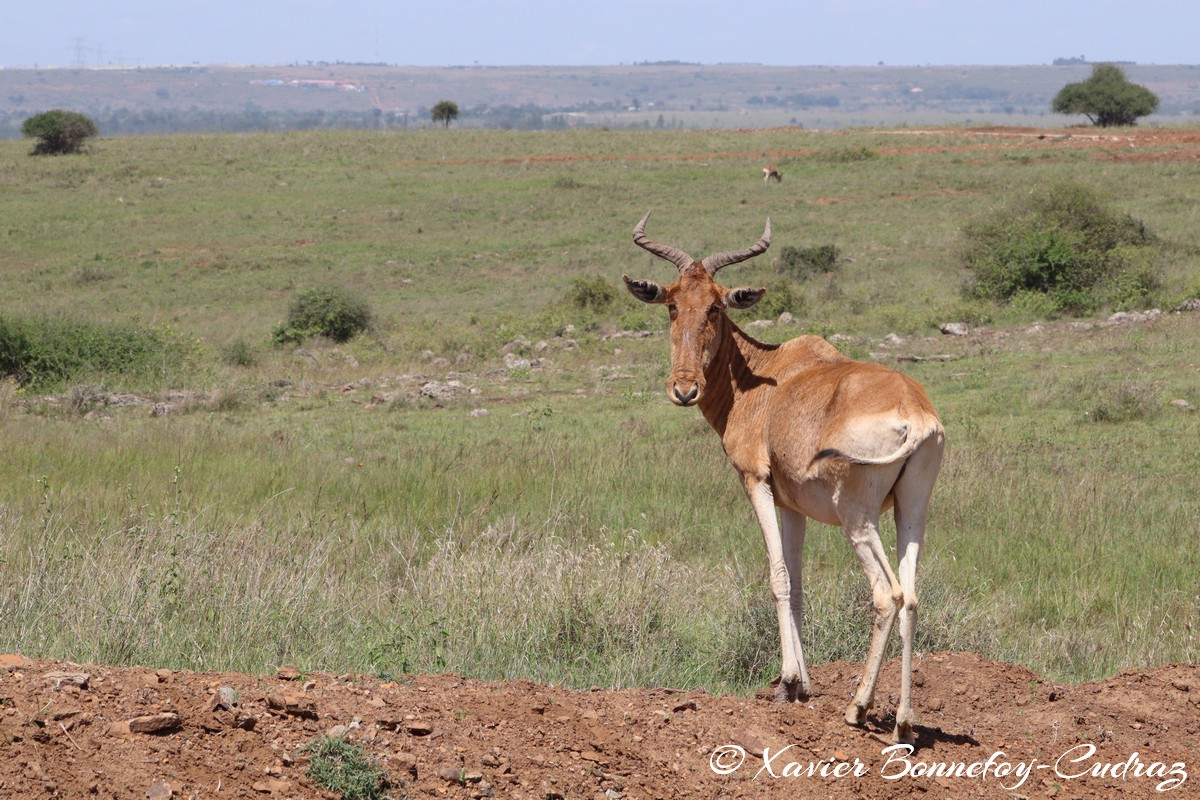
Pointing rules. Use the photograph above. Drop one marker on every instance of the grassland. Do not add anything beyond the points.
(311, 505)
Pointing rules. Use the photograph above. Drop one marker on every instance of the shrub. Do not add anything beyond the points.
(239, 353)
(804, 262)
(40, 352)
(339, 766)
(1065, 243)
(591, 292)
(58, 131)
(780, 297)
(848, 154)
(329, 311)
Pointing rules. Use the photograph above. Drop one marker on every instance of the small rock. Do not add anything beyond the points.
(478, 412)
(511, 361)
(443, 390)
(686, 705)
(1126, 317)
(151, 723)
(288, 673)
(163, 675)
(227, 698)
(292, 702)
(161, 409)
(14, 661)
(405, 762)
(954, 328)
(272, 786)
(752, 741)
(418, 727)
(59, 677)
(520, 343)
(786, 318)
(1181, 403)
(159, 790)
(452, 774)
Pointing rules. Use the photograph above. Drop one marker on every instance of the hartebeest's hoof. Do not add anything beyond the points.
(793, 691)
(903, 734)
(856, 715)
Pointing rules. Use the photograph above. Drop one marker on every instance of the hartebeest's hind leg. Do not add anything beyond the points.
(912, 494)
(783, 562)
(860, 498)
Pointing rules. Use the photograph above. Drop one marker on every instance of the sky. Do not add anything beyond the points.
(609, 32)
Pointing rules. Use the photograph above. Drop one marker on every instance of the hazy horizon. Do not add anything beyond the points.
(542, 33)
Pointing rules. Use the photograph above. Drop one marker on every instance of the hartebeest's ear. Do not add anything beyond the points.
(646, 291)
(743, 297)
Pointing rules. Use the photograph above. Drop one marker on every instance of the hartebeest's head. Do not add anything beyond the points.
(696, 303)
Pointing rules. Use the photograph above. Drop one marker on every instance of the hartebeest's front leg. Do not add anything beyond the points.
(783, 556)
(792, 525)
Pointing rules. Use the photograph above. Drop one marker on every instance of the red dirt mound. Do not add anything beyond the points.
(985, 730)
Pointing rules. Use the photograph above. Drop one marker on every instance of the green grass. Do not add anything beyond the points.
(312, 506)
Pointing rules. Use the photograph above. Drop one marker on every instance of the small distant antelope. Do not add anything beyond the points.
(771, 174)
(812, 434)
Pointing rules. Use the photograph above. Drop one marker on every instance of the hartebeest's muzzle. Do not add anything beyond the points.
(682, 396)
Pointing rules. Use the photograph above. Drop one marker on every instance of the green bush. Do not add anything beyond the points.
(1065, 243)
(42, 352)
(780, 297)
(591, 292)
(239, 353)
(339, 766)
(805, 262)
(848, 154)
(329, 311)
(58, 131)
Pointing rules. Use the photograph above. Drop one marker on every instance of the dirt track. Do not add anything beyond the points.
(443, 736)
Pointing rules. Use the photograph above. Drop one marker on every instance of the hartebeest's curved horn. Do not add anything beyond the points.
(717, 260)
(672, 254)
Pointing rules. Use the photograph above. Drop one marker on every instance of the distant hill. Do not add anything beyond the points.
(676, 95)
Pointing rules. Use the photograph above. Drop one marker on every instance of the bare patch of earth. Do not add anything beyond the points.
(986, 729)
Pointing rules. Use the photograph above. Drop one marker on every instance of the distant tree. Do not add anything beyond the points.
(444, 112)
(1107, 98)
(58, 131)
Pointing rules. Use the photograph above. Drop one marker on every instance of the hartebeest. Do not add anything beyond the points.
(771, 174)
(818, 436)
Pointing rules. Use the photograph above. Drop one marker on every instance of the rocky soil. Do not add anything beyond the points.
(985, 729)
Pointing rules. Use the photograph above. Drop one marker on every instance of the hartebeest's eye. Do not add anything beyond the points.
(713, 310)
(672, 309)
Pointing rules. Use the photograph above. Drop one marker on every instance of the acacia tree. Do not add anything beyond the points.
(58, 131)
(445, 112)
(1107, 98)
